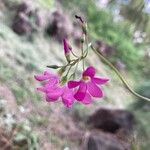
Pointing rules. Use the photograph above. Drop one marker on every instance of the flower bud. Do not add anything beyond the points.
(53, 66)
(67, 49)
(79, 18)
(83, 24)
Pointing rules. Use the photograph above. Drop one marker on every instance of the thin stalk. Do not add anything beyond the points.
(71, 65)
(74, 54)
(82, 53)
(119, 75)
(68, 70)
(74, 74)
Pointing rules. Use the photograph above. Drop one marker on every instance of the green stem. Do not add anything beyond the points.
(68, 70)
(74, 74)
(119, 75)
(74, 54)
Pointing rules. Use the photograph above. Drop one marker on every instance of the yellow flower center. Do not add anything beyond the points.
(85, 78)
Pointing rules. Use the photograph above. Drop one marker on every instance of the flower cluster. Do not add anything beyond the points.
(54, 90)
(82, 90)
(65, 87)
(73, 91)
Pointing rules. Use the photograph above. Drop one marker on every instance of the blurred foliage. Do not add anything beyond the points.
(103, 27)
(26, 138)
(11, 3)
(144, 89)
(141, 110)
(46, 3)
(136, 12)
(117, 34)
(20, 135)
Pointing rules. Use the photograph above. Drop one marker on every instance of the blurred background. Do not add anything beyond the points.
(31, 34)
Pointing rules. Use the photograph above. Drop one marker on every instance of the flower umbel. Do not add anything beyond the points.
(58, 87)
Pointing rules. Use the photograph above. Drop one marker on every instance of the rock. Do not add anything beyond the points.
(59, 26)
(110, 129)
(26, 20)
(112, 121)
(24, 7)
(97, 140)
(21, 25)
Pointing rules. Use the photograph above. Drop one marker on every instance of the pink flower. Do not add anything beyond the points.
(88, 86)
(53, 90)
(68, 97)
(66, 94)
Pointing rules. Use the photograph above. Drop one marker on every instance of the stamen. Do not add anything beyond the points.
(85, 78)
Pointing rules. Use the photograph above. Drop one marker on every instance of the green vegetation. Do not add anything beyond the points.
(142, 113)
(116, 33)
(46, 3)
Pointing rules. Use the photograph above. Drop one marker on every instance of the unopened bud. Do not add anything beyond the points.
(83, 24)
(67, 49)
(53, 66)
(80, 18)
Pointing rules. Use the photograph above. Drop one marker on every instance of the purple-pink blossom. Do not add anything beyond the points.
(54, 90)
(82, 90)
(87, 86)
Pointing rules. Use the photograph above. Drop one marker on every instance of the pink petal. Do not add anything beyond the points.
(68, 98)
(46, 89)
(100, 80)
(52, 77)
(54, 94)
(41, 77)
(52, 81)
(90, 71)
(94, 90)
(66, 46)
(73, 84)
(49, 86)
(51, 74)
(48, 73)
(45, 76)
(50, 99)
(42, 89)
(80, 94)
(87, 99)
